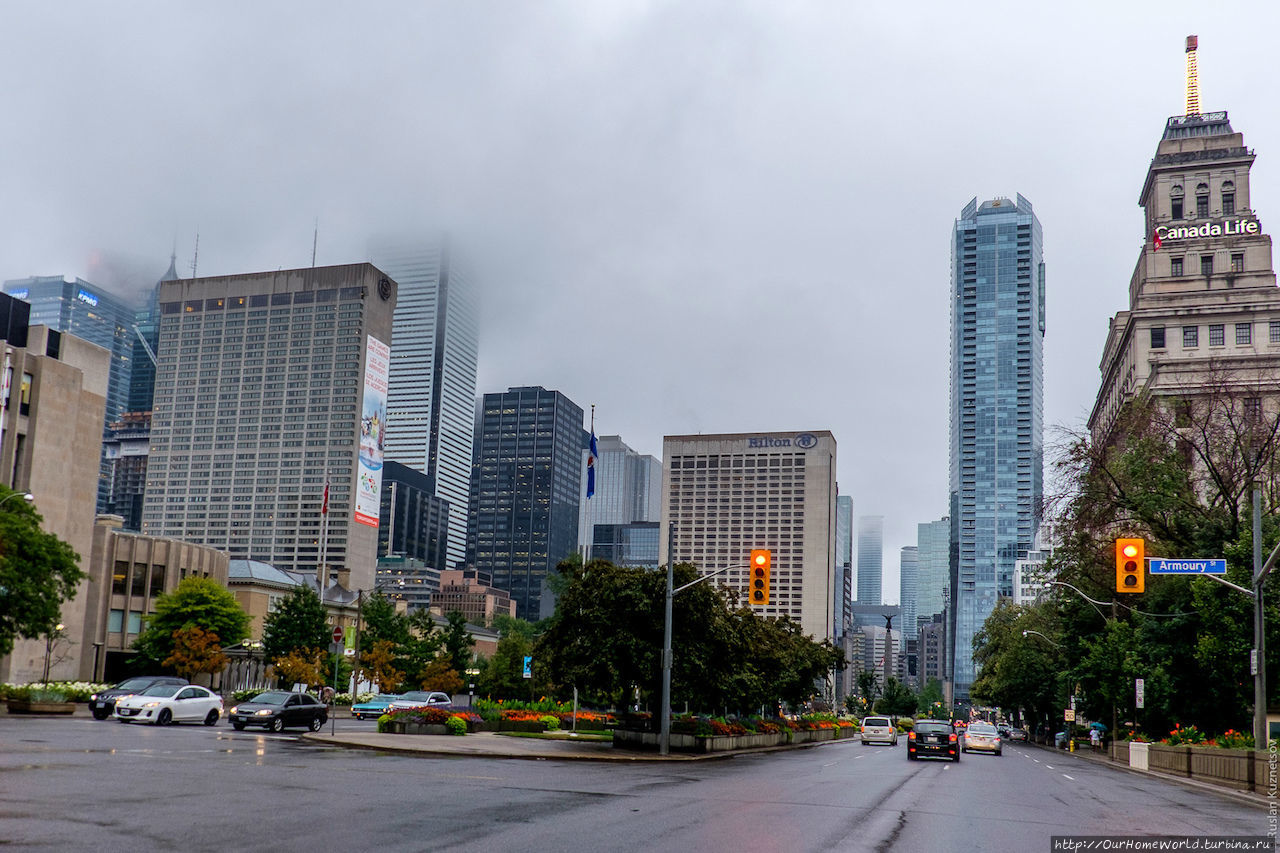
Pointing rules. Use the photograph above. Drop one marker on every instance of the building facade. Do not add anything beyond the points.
(412, 521)
(1204, 309)
(909, 568)
(628, 488)
(471, 593)
(730, 493)
(870, 559)
(933, 567)
(53, 390)
(269, 386)
(841, 616)
(525, 491)
(997, 409)
(125, 447)
(432, 394)
(634, 544)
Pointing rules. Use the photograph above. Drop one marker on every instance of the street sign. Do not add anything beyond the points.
(1163, 566)
(1139, 692)
(337, 635)
(528, 667)
(1070, 715)
(1253, 661)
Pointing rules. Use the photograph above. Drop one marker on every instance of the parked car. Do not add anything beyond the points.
(421, 699)
(984, 737)
(1017, 734)
(102, 703)
(170, 703)
(278, 710)
(933, 738)
(879, 730)
(375, 707)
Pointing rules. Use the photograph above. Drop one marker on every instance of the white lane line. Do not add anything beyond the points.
(829, 764)
(1036, 760)
(856, 757)
(1072, 778)
(1050, 766)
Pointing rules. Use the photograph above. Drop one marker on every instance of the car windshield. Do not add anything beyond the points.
(416, 694)
(162, 690)
(271, 697)
(981, 729)
(876, 721)
(933, 728)
(133, 684)
(384, 697)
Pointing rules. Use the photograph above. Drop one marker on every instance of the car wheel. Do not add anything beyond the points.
(316, 724)
(957, 758)
(911, 756)
(101, 713)
(277, 725)
(165, 717)
(998, 752)
(238, 726)
(211, 719)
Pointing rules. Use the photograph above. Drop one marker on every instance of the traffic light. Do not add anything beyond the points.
(761, 563)
(1131, 568)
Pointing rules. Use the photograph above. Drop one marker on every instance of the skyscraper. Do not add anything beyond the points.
(268, 386)
(730, 493)
(933, 573)
(997, 414)
(628, 488)
(907, 586)
(525, 490)
(870, 559)
(432, 393)
(841, 615)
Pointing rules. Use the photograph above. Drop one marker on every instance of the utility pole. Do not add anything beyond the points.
(664, 730)
(1260, 738)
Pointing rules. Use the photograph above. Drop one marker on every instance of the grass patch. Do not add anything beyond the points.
(596, 736)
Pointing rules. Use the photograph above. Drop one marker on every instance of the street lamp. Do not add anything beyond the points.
(49, 639)
(26, 496)
(1042, 636)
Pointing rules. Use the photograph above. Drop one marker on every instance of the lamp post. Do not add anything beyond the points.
(26, 496)
(49, 639)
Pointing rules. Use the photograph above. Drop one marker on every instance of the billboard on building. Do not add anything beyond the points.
(373, 422)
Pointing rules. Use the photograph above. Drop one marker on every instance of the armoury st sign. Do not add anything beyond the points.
(804, 441)
(1225, 228)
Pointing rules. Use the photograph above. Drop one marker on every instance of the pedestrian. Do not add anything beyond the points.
(1095, 739)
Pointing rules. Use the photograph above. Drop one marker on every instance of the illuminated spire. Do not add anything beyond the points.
(1193, 82)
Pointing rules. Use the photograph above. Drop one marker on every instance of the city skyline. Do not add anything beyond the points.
(601, 187)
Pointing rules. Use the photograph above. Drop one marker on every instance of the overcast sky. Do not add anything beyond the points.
(699, 216)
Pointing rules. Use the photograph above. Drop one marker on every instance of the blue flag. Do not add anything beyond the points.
(592, 454)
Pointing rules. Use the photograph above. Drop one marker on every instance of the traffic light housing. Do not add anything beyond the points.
(761, 565)
(1131, 565)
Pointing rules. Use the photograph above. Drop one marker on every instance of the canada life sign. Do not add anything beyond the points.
(1225, 228)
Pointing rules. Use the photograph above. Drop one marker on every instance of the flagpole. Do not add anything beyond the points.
(591, 448)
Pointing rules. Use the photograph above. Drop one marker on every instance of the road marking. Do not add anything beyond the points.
(1050, 766)
(1036, 760)
(830, 764)
(1072, 778)
(859, 756)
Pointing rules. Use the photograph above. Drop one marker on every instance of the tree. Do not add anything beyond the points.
(458, 642)
(195, 650)
(503, 674)
(440, 675)
(298, 622)
(197, 602)
(378, 665)
(302, 666)
(929, 701)
(898, 699)
(38, 572)
(868, 686)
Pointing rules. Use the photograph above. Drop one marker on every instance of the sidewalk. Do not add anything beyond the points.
(494, 745)
(1103, 758)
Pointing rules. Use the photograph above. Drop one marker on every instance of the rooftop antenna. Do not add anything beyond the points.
(315, 238)
(195, 257)
(1193, 82)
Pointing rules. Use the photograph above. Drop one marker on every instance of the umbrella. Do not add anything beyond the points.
(1098, 726)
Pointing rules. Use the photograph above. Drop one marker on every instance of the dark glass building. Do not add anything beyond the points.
(413, 521)
(527, 471)
(634, 544)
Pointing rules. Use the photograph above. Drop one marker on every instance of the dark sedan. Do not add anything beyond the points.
(278, 710)
(933, 738)
(102, 703)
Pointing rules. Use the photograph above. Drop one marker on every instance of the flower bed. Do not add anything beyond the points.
(428, 721)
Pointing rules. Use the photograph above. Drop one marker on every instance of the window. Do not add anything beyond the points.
(1244, 334)
(1216, 335)
(1202, 200)
(1191, 336)
(1157, 337)
(1206, 265)
(1237, 262)
(1253, 409)
(1275, 331)
(1175, 201)
(1175, 266)
(1228, 198)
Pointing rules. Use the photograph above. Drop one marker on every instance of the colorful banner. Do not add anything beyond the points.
(373, 423)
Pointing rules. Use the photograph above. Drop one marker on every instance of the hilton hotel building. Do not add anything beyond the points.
(1203, 304)
(259, 393)
(728, 494)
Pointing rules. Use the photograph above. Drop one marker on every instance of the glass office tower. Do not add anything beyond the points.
(841, 615)
(997, 414)
(870, 559)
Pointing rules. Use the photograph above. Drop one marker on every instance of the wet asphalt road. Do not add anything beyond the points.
(79, 784)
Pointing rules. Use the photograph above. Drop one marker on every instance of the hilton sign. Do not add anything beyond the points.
(1225, 228)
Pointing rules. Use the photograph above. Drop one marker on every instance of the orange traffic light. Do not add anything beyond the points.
(761, 564)
(1131, 568)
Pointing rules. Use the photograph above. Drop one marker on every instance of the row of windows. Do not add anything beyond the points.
(259, 300)
(1217, 335)
(1177, 266)
(1177, 197)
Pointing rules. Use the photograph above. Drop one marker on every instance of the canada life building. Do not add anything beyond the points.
(1204, 309)
(997, 410)
(267, 386)
(729, 494)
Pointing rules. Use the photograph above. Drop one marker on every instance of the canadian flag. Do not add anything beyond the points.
(324, 507)
(1155, 236)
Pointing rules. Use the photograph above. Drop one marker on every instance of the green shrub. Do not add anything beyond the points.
(552, 723)
(384, 722)
(456, 726)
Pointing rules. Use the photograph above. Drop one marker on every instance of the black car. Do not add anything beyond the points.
(101, 704)
(280, 709)
(935, 738)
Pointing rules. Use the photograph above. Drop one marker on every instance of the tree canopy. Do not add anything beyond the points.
(298, 622)
(38, 572)
(197, 603)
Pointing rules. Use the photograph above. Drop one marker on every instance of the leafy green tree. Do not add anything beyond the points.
(502, 676)
(298, 622)
(898, 699)
(868, 687)
(197, 603)
(929, 701)
(457, 642)
(38, 572)
(1017, 670)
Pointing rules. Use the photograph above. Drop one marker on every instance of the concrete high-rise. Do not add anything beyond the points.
(728, 494)
(432, 395)
(525, 489)
(909, 565)
(997, 299)
(870, 559)
(841, 615)
(268, 386)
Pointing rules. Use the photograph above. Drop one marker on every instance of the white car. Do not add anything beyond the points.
(982, 737)
(879, 730)
(421, 699)
(170, 703)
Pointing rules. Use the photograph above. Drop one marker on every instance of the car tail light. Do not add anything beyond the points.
(911, 735)
(953, 738)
